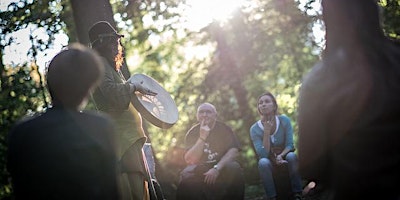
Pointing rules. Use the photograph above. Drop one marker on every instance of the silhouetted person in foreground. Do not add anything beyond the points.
(64, 153)
(349, 133)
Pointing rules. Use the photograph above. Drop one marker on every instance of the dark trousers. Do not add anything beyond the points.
(229, 184)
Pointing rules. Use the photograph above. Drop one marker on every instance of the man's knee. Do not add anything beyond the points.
(232, 167)
(232, 176)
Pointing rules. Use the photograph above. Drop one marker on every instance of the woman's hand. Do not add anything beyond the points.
(279, 160)
(268, 122)
(138, 86)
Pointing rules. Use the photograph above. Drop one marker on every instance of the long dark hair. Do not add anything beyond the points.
(103, 47)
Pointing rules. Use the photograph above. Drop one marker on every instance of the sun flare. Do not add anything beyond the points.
(202, 12)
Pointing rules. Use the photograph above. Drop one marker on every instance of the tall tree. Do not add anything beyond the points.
(88, 12)
(266, 45)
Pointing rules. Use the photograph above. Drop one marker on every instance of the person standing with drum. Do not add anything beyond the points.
(113, 97)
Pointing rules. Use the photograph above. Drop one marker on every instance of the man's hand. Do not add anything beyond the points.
(211, 176)
(204, 130)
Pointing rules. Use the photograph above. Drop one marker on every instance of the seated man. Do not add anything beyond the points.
(211, 152)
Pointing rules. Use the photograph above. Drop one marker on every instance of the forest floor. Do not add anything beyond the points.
(256, 192)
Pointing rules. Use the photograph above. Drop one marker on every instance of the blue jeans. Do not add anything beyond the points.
(265, 168)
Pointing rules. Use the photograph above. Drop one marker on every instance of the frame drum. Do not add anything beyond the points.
(160, 110)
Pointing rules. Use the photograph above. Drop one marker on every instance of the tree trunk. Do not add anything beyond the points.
(229, 73)
(88, 12)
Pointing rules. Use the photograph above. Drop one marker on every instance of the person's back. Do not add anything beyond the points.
(349, 105)
(63, 155)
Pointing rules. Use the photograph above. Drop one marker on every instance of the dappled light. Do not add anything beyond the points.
(226, 52)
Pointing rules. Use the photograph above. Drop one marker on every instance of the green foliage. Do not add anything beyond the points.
(48, 14)
(20, 95)
(264, 48)
(267, 46)
(391, 15)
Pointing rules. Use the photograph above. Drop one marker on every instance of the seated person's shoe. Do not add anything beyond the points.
(298, 196)
(266, 198)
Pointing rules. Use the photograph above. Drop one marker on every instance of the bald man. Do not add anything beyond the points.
(211, 152)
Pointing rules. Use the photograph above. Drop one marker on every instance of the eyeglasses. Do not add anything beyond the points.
(104, 35)
(205, 111)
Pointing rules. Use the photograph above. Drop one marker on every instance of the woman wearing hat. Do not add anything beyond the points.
(113, 96)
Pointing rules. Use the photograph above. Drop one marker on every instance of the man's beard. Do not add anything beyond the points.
(119, 58)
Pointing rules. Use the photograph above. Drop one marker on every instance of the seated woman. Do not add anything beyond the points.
(272, 138)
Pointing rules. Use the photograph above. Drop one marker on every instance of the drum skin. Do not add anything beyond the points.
(160, 110)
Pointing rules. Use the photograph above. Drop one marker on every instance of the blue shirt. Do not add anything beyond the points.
(282, 137)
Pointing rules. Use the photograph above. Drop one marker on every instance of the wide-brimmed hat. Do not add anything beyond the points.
(100, 30)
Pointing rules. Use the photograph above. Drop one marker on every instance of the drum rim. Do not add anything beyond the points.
(147, 114)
